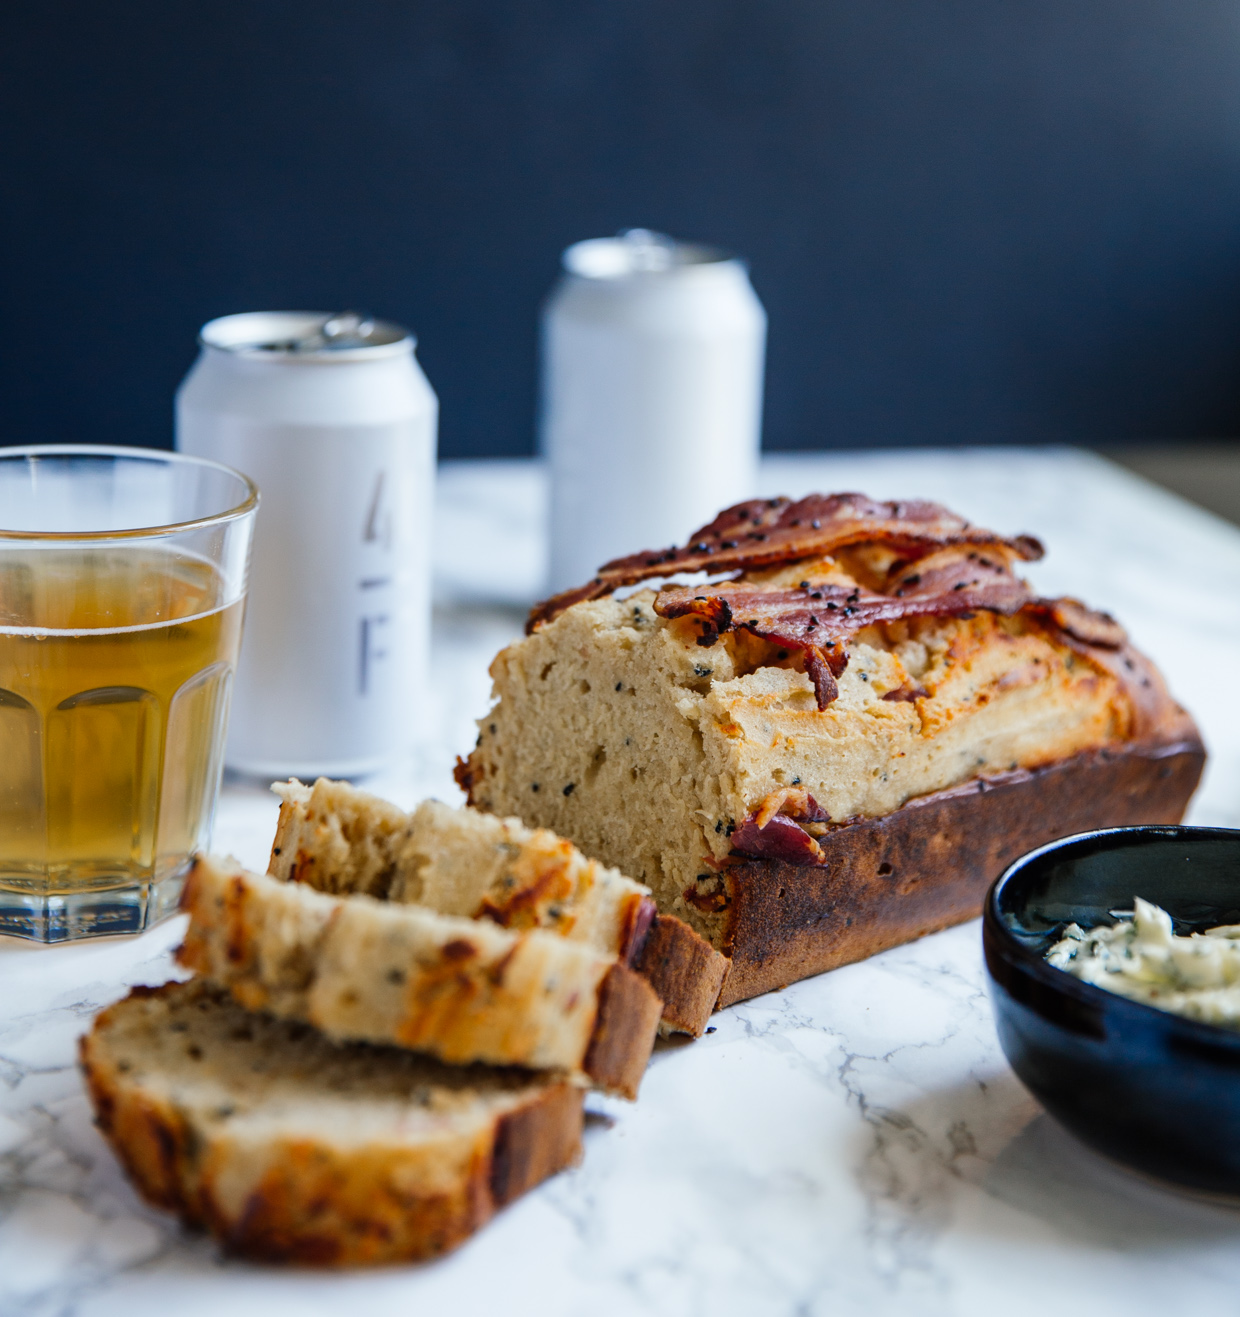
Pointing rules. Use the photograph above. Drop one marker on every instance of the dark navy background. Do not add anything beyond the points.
(970, 220)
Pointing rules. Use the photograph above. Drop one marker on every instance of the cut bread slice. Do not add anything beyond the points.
(290, 1148)
(464, 990)
(456, 861)
(338, 839)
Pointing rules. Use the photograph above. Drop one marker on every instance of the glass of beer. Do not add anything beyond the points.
(122, 589)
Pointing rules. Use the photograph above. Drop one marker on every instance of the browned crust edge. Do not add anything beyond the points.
(685, 971)
(535, 1142)
(928, 865)
(624, 1031)
(316, 1206)
(150, 1139)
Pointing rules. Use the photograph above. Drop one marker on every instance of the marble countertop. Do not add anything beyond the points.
(855, 1143)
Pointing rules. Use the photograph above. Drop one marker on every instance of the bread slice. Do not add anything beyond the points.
(290, 1148)
(458, 862)
(462, 989)
(462, 862)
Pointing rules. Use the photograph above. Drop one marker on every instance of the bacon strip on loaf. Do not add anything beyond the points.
(818, 619)
(767, 532)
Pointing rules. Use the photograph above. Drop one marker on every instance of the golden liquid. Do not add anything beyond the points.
(115, 671)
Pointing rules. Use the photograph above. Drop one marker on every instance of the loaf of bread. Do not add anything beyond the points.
(838, 747)
(290, 1148)
(461, 989)
(461, 862)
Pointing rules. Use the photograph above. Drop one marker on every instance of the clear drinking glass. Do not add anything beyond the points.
(122, 590)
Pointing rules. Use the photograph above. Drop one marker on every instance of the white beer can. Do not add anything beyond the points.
(652, 363)
(333, 419)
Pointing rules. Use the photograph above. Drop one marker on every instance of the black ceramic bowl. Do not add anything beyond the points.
(1153, 1090)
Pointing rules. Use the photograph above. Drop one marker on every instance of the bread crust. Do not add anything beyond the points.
(534, 1142)
(624, 1030)
(316, 1201)
(147, 1134)
(460, 989)
(686, 972)
(929, 864)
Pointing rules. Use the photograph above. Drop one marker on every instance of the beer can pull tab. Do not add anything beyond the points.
(649, 252)
(347, 329)
(634, 253)
(334, 333)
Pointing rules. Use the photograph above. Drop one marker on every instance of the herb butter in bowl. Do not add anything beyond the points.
(1143, 959)
(1122, 1015)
